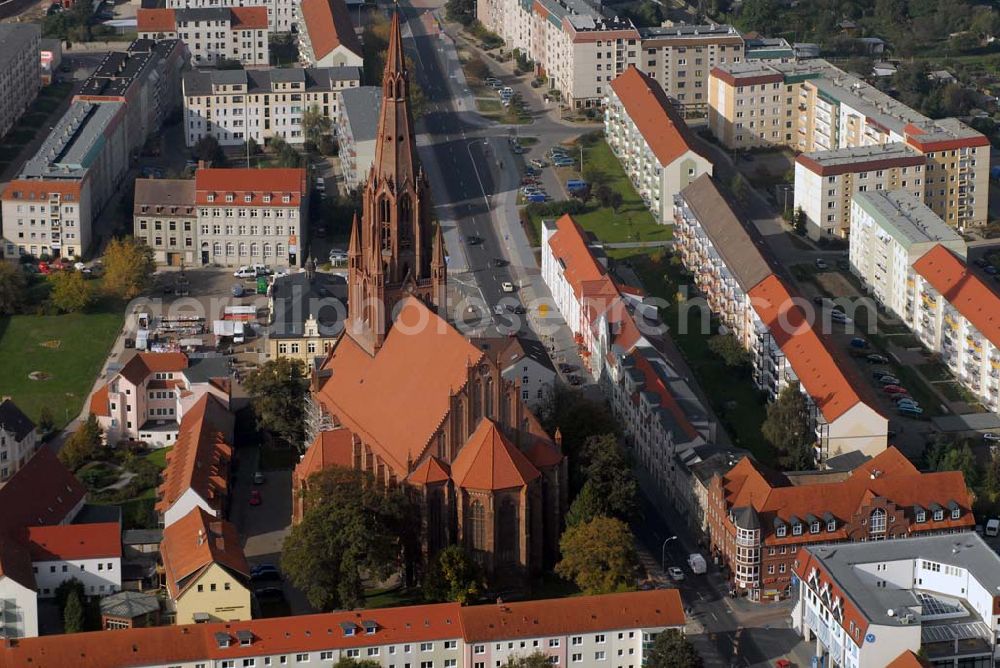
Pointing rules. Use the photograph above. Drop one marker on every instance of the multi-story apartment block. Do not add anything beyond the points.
(825, 181)
(653, 143)
(740, 287)
(243, 216)
(953, 312)
(327, 37)
(20, 71)
(759, 519)
(212, 35)
(813, 106)
(48, 209)
(307, 311)
(18, 439)
(523, 361)
(614, 629)
(280, 13)
(357, 128)
(882, 603)
(236, 105)
(149, 396)
(890, 230)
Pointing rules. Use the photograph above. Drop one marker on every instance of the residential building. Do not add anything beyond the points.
(357, 128)
(864, 605)
(759, 518)
(813, 106)
(234, 105)
(149, 396)
(657, 150)
(20, 71)
(769, 49)
(18, 438)
(206, 573)
(241, 216)
(48, 209)
(487, 475)
(890, 230)
(280, 13)
(88, 553)
(130, 610)
(327, 37)
(213, 35)
(525, 362)
(577, 630)
(307, 311)
(825, 182)
(952, 311)
(197, 470)
(768, 320)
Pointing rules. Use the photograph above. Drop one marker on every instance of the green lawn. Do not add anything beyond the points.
(69, 348)
(489, 106)
(934, 371)
(159, 457)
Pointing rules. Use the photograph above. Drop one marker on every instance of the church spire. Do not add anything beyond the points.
(395, 59)
(354, 249)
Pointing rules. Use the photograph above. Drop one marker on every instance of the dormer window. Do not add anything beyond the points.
(796, 529)
(229, 197)
(248, 198)
(814, 527)
(921, 516)
(267, 199)
(348, 628)
(938, 515)
(211, 198)
(831, 525)
(245, 638)
(956, 510)
(222, 640)
(286, 199)
(780, 531)
(370, 627)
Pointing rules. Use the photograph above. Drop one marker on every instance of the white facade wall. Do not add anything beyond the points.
(562, 292)
(14, 453)
(534, 380)
(98, 576)
(280, 13)
(234, 235)
(18, 609)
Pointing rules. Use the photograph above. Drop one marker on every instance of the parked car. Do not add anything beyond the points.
(888, 380)
(507, 286)
(875, 358)
(238, 290)
(268, 573)
(269, 594)
(263, 568)
(991, 270)
(858, 342)
(258, 478)
(498, 309)
(473, 240)
(538, 163)
(676, 574)
(518, 310)
(499, 262)
(538, 198)
(838, 316)
(245, 271)
(910, 412)
(821, 264)
(894, 389)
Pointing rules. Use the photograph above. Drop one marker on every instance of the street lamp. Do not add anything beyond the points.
(663, 554)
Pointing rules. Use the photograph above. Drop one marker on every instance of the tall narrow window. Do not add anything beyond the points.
(509, 535)
(475, 526)
(877, 523)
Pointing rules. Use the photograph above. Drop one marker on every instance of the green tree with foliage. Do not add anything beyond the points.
(353, 528)
(740, 190)
(671, 649)
(12, 284)
(788, 427)
(608, 474)
(576, 417)
(533, 660)
(586, 506)
(71, 292)
(315, 124)
(277, 391)
(284, 154)
(453, 576)
(73, 616)
(599, 556)
(729, 349)
(128, 267)
(800, 222)
(210, 151)
(759, 15)
(461, 11)
(46, 423)
(350, 662)
(83, 445)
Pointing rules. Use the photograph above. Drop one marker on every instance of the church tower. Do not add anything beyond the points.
(394, 250)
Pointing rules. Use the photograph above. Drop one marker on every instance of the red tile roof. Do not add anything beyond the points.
(257, 183)
(99, 404)
(64, 542)
(964, 290)
(249, 18)
(40, 189)
(664, 130)
(195, 542)
(329, 448)
(143, 365)
(569, 245)
(329, 25)
(156, 20)
(43, 491)
(431, 471)
(579, 614)
(908, 660)
(488, 460)
(806, 563)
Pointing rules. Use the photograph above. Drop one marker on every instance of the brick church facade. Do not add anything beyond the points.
(408, 398)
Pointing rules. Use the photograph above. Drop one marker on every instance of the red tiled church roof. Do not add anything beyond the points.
(489, 461)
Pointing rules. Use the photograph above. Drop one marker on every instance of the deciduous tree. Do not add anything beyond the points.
(599, 556)
(533, 660)
(277, 391)
(128, 267)
(453, 576)
(315, 124)
(70, 291)
(209, 150)
(12, 282)
(82, 446)
(788, 427)
(729, 349)
(348, 662)
(672, 650)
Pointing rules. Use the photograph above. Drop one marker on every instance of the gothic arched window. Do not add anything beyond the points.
(509, 532)
(475, 526)
(385, 222)
(488, 396)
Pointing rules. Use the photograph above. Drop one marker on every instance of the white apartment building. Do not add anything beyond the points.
(243, 216)
(813, 106)
(953, 312)
(18, 439)
(212, 34)
(524, 362)
(890, 230)
(20, 71)
(356, 129)
(280, 13)
(865, 604)
(825, 182)
(90, 553)
(657, 150)
(326, 36)
(234, 105)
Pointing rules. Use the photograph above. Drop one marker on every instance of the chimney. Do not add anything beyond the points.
(201, 536)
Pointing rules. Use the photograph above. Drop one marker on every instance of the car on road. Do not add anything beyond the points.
(320, 184)
(337, 256)
(258, 478)
(500, 262)
(262, 568)
(538, 163)
(858, 342)
(255, 498)
(910, 412)
(888, 380)
(875, 358)
(821, 264)
(265, 572)
(991, 270)
(906, 402)
(676, 574)
(498, 309)
(245, 271)
(991, 436)
(517, 309)
(838, 316)
(538, 198)
(507, 286)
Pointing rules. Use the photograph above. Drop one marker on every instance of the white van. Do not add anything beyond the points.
(992, 527)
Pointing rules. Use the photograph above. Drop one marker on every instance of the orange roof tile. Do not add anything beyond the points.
(249, 18)
(908, 660)
(430, 471)
(64, 542)
(963, 289)
(156, 20)
(195, 542)
(543, 454)
(329, 448)
(39, 189)
(579, 614)
(654, 116)
(257, 183)
(329, 25)
(818, 372)
(488, 460)
(99, 404)
(141, 365)
(411, 379)
(569, 245)
(200, 457)
(43, 491)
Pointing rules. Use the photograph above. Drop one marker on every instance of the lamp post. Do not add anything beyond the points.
(663, 554)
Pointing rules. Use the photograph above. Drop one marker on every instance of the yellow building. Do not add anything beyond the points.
(307, 312)
(206, 572)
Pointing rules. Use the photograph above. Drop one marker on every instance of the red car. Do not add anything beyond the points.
(255, 499)
(894, 389)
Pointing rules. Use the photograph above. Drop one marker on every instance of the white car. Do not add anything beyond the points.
(245, 272)
(507, 286)
(991, 436)
(676, 574)
(337, 256)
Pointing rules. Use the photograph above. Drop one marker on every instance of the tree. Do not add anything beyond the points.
(277, 391)
(615, 201)
(599, 556)
(729, 349)
(453, 576)
(800, 222)
(576, 417)
(739, 189)
(353, 527)
(604, 194)
(128, 267)
(608, 473)
(73, 618)
(533, 660)
(586, 506)
(70, 291)
(759, 15)
(672, 650)
(477, 68)
(83, 445)
(46, 423)
(985, 24)
(284, 154)
(788, 427)
(348, 662)
(12, 283)
(315, 124)
(462, 11)
(209, 150)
